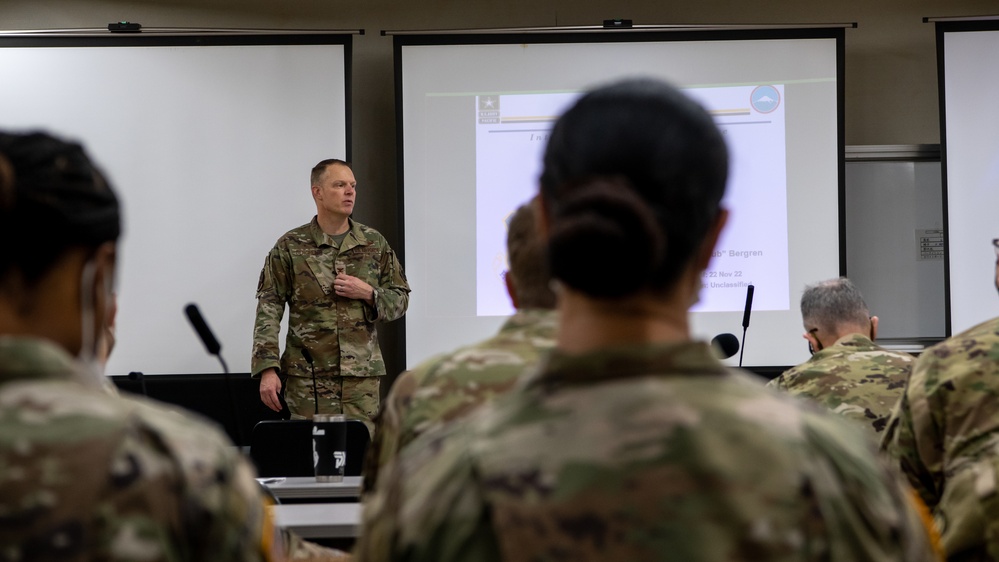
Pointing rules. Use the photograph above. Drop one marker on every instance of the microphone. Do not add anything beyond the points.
(312, 365)
(725, 345)
(215, 348)
(745, 319)
(137, 376)
(204, 332)
(749, 306)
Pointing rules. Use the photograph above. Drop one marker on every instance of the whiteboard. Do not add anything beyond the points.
(894, 231)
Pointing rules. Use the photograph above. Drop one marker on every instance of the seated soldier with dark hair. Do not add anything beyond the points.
(630, 441)
(86, 475)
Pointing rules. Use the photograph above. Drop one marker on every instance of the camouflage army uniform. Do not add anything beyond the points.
(854, 377)
(452, 385)
(339, 332)
(945, 436)
(642, 453)
(88, 476)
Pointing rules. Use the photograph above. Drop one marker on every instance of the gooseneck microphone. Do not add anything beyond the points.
(312, 365)
(215, 348)
(725, 345)
(204, 332)
(745, 319)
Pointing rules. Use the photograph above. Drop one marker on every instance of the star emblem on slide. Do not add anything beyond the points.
(488, 102)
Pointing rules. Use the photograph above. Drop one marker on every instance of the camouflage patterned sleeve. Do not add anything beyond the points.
(189, 473)
(445, 518)
(242, 527)
(392, 292)
(385, 443)
(910, 440)
(273, 290)
(778, 382)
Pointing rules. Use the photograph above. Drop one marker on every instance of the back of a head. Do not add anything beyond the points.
(52, 199)
(832, 304)
(633, 177)
(528, 260)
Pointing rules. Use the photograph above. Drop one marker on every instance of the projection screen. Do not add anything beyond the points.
(969, 85)
(474, 112)
(209, 140)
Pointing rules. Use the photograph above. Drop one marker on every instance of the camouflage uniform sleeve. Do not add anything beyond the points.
(241, 527)
(779, 382)
(428, 506)
(273, 291)
(866, 504)
(392, 292)
(941, 444)
(910, 440)
(385, 444)
(397, 421)
(190, 474)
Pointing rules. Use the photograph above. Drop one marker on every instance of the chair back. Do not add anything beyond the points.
(284, 447)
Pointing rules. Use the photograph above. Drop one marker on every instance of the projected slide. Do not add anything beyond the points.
(511, 134)
(474, 123)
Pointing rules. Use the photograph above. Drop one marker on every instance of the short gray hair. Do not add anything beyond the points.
(833, 303)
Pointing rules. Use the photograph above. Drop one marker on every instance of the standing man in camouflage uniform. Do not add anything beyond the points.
(944, 435)
(452, 385)
(630, 441)
(85, 475)
(847, 373)
(337, 277)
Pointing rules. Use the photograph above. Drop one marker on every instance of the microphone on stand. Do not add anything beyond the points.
(725, 345)
(312, 365)
(745, 319)
(215, 348)
(204, 332)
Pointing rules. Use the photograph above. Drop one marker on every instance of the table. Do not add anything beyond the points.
(306, 487)
(319, 520)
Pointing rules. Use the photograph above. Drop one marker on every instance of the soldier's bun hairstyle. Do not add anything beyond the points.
(602, 228)
(52, 199)
(633, 178)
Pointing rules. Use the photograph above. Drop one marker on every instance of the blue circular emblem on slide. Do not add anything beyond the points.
(765, 99)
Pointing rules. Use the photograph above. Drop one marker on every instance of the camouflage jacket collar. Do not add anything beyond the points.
(850, 343)
(355, 236)
(858, 342)
(33, 358)
(674, 359)
(539, 318)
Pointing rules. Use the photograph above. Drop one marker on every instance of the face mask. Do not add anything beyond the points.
(811, 349)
